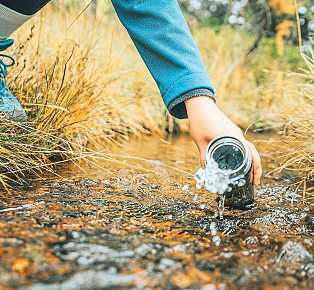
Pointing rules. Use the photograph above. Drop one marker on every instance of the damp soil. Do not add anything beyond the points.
(145, 226)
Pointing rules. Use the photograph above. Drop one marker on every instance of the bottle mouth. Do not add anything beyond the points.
(231, 155)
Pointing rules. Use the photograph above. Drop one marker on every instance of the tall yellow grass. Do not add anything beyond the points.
(295, 150)
(82, 86)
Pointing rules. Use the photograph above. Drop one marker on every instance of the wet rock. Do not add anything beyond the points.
(305, 271)
(294, 252)
(88, 254)
(178, 248)
(130, 192)
(251, 240)
(207, 266)
(309, 220)
(155, 186)
(227, 266)
(63, 189)
(74, 235)
(144, 250)
(245, 277)
(99, 202)
(309, 269)
(96, 280)
(106, 184)
(89, 183)
(73, 214)
(274, 192)
(166, 264)
(281, 220)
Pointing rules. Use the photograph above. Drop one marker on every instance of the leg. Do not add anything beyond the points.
(13, 13)
(26, 7)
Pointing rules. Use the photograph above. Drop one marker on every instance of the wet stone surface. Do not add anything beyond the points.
(151, 229)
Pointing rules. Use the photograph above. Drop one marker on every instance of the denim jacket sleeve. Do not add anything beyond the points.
(163, 39)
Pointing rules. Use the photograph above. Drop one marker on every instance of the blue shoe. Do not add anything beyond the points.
(10, 107)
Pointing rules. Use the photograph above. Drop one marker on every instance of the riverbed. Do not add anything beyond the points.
(136, 224)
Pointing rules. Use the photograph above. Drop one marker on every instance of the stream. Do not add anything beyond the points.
(146, 226)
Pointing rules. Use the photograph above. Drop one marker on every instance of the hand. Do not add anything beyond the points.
(207, 122)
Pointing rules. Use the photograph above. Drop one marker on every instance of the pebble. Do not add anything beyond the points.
(166, 264)
(251, 240)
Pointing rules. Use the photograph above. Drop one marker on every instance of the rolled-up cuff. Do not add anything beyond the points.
(192, 85)
(177, 107)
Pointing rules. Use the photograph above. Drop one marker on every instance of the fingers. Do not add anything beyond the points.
(202, 150)
(257, 164)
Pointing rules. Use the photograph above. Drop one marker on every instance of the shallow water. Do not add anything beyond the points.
(148, 227)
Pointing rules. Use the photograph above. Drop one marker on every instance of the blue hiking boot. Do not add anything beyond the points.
(9, 104)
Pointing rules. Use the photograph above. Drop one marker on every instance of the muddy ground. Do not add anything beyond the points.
(148, 227)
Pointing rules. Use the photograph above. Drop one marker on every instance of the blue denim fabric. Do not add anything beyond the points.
(163, 39)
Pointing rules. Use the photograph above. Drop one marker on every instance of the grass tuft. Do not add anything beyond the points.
(296, 147)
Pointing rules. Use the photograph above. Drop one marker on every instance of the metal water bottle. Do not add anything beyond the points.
(233, 155)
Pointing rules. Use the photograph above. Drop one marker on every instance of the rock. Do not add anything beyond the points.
(309, 220)
(89, 183)
(166, 264)
(96, 280)
(144, 250)
(309, 268)
(294, 252)
(251, 240)
(88, 254)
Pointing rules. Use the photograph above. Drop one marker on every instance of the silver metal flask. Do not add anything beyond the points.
(233, 155)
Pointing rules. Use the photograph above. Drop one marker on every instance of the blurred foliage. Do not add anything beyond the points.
(270, 18)
(282, 6)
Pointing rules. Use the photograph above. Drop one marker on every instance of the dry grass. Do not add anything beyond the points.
(85, 88)
(295, 149)
(78, 92)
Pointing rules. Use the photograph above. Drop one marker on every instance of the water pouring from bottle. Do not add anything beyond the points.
(227, 172)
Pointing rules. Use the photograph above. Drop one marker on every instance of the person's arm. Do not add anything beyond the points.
(163, 39)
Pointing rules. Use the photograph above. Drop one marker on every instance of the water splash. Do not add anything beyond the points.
(215, 180)
(214, 232)
(221, 206)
